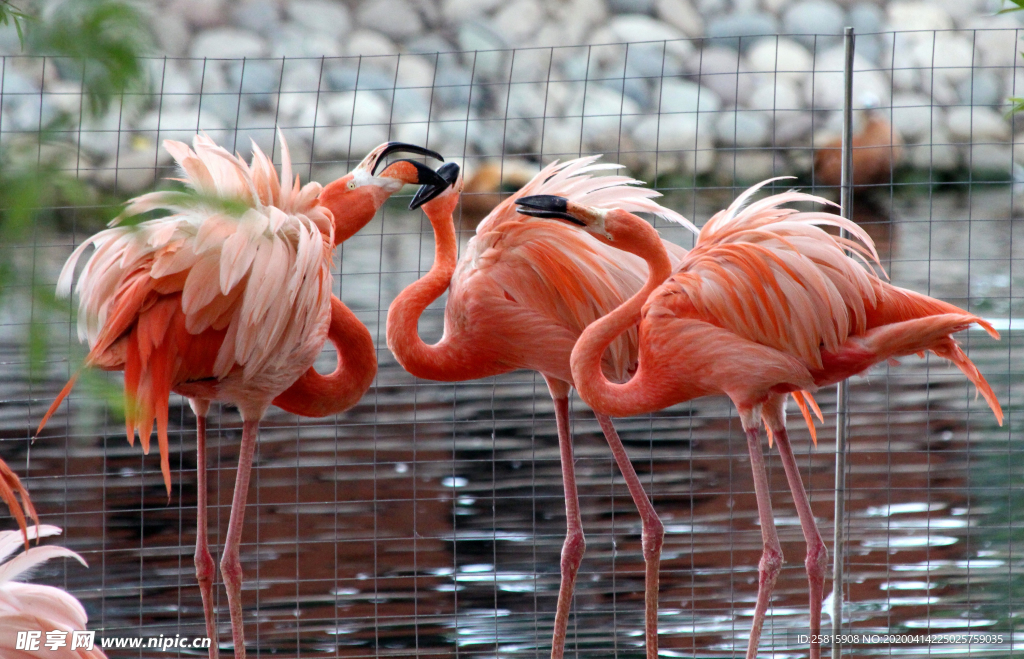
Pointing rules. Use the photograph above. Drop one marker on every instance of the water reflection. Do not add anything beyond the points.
(428, 520)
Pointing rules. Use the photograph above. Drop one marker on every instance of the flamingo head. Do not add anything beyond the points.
(440, 200)
(355, 198)
(591, 219)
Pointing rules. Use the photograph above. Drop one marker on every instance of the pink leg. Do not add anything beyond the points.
(653, 533)
(205, 568)
(817, 555)
(575, 544)
(230, 567)
(771, 558)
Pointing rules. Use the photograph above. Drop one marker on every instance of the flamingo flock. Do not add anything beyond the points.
(232, 302)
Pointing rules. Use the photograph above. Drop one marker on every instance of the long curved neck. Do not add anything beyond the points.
(430, 362)
(631, 234)
(317, 395)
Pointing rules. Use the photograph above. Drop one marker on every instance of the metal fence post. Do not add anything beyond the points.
(842, 392)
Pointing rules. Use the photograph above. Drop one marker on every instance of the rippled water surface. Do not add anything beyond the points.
(427, 521)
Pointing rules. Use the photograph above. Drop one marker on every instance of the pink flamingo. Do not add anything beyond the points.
(766, 304)
(220, 307)
(36, 609)
(519, 298)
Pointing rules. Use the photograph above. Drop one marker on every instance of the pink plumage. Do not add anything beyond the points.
(766, 304)
(26, 607)
(519, 297)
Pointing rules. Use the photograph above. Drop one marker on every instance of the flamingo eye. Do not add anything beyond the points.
(351, 185)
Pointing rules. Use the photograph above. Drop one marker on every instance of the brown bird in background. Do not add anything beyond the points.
(877, 149)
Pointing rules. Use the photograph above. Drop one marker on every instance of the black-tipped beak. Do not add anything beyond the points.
(394, 147)
(447, 175)
(548, 206)
(424, 175)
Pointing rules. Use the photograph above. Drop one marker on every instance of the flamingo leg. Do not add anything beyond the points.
(653, 533)
(817, 555)
(230, 566)
(205, 567)
(771, 558)
(575, 544)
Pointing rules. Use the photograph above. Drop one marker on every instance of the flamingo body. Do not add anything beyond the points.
(520, 296)
(766, 304)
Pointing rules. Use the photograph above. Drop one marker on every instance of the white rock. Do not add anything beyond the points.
(488, 60)
(915, 116)
(813, 17)
(180, 124)
(397, 19)
(172, 34)
(354, 108)
(636, 27)
(459, 11)
(745, 128)
(577, 19)
(345, 141)
(173, 84)
(135, 172)
(937, 155)
(200, 13)
(978, 124)
(686, 96)
(681, 15)
(997, 45)
(102, 135)
(989, 157)
(677, 137)
(783, 95)
(747, 166)
(561, 137)
(227, 43)
(291, 40)
(321, 16)
(950, 54)
(415, 71)
(787, 57)
(517, 21)
(369, 43)
(918, 15)
(607, 115)
(826, 90)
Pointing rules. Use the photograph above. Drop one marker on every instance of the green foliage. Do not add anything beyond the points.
(9, 14)
(99, 42)
(1016, 5)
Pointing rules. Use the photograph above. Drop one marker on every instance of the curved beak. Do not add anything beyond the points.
(412, 172)
(548, 206)
(448, 175)
(373, 159)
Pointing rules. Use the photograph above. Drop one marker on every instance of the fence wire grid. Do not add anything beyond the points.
(427, 521)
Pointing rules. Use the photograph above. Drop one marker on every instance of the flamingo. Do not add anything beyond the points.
(27, 608)
(519, 298)
(765, 304)
(219, 307)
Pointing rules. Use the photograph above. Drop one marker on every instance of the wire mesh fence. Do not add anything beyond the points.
(428, 520)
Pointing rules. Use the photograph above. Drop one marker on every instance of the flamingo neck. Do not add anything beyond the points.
(630, 234)
(317, 395)
(430, 362)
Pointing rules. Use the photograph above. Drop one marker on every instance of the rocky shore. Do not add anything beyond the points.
(704, 87)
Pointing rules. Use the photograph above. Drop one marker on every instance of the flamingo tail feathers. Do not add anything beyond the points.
(10, 486)
(57, 401)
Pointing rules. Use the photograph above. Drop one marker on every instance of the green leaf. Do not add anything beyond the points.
(99, 42)
(1018, 5)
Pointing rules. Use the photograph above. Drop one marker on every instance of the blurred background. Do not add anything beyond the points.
(427, 520)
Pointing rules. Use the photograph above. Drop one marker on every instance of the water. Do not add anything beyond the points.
(428, 520)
